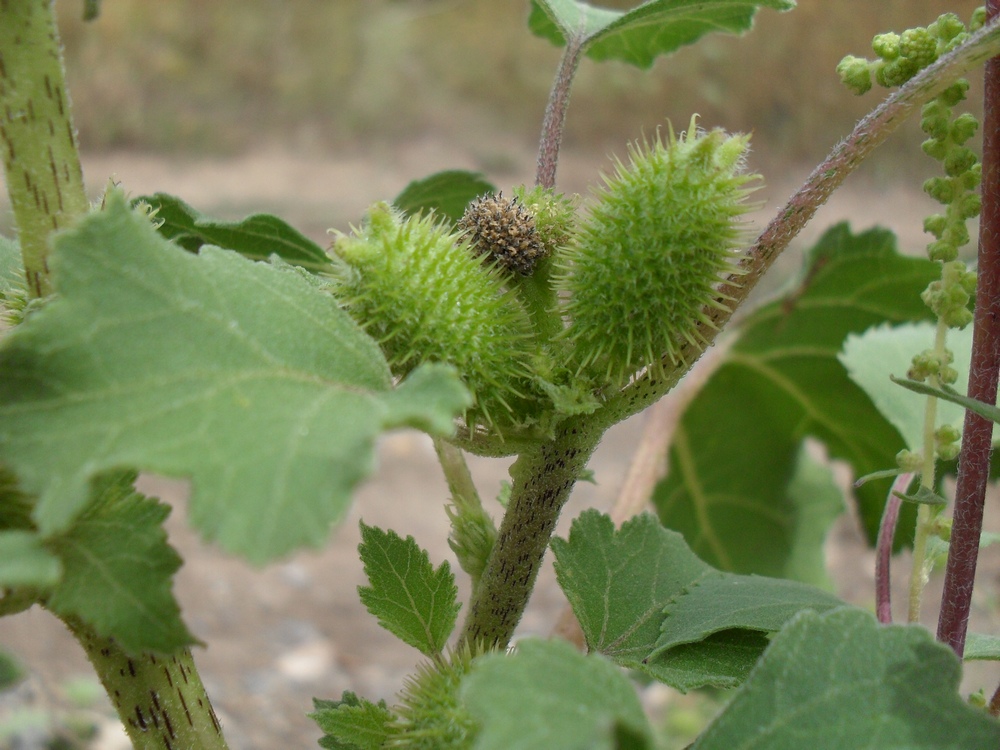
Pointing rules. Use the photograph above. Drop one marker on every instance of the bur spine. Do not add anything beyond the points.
(648, 259)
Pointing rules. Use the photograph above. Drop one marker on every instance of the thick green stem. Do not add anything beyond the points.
(41, 161)
(160, 699)
(543, 479)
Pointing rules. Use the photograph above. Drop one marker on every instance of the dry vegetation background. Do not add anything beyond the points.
(314, 108)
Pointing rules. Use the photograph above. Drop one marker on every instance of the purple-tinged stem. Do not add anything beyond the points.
(883, 548)
(974, 460)
(555, 114)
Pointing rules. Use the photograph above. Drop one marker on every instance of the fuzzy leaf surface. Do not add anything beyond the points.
(257, 237)
(837, 680)
(446, 193)
(981, 647)
(24, 561)
(352, 723)
(737, 447)
(118, 569)
(246, 377)
(409, 597)
(639, 593)
(549, 696)
(640, 35)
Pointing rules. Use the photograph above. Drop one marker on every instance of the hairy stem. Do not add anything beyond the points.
(41, 161)
(555, 113)
(844, 159)
(883, 549)
(543, 479)
(974, 460)
(160, 699)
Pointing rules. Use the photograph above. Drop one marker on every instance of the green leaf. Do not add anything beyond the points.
(352, 723)
(737, 446)
(639, 36)
(639, 593)
(257, 237)
(923, 496)
(840, 680)
(118, 570)
(548, 696)
(732, 601)
(446, 193)
(872, 357)
(411, 599)
(11, 267)
(818, 501)
(24, 561)
(618, 582)
(247, 377)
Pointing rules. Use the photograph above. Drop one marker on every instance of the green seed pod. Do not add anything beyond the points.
(648, 258)
(419, 291)
(501, 230)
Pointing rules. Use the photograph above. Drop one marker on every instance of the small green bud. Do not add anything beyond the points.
(918, 46)
(942, 250)
(936, 148)
(948, 452)
(947, 433)
(647, 261)
(940, 189)
(909, 461)
(957, 317)
(971, 178)
(947, 27)
(978, 18)
(970, 205)
(963, 128)
(955, 93)
(959, 159)
(935, 224)
(886, 46)
(895, 73)
(855, 73)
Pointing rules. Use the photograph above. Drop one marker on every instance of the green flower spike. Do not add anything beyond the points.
(417, 288)
(648, 259)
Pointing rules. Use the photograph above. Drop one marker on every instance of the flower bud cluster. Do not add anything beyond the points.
(899, 57)
(949, 297)
(931, 363)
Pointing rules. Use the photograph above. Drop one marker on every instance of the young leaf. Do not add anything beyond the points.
(640, 592)
(737, 445)
(409, 597)
(548, 696)
(352, 723)
(979, 646)
(257, 237)
(446, 193)
(639, 36)
(986, 411)
(118, 569)
(247, 377)
(840, 680)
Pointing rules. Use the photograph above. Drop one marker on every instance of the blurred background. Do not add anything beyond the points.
(313, 109)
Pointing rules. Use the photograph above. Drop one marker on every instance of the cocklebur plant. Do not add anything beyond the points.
(247, 358)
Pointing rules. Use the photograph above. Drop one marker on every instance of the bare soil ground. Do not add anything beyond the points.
(279, 636)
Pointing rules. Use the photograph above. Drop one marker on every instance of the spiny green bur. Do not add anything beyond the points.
(417, 288)
(652, 251)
